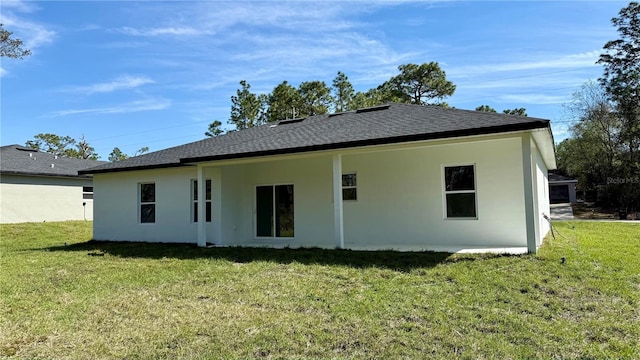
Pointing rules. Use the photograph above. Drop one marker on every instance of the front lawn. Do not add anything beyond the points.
(579, 297)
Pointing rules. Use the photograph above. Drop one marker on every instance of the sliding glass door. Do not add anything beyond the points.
(274, 211)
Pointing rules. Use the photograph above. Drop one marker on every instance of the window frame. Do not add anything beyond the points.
(350, 187)
(141, 203)
(208, 206)
(274, 204)
(446, 192)
(87, 192)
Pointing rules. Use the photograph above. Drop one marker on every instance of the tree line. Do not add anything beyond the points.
(603, 151)
(414, 84)
(80, 149)
(417, 84)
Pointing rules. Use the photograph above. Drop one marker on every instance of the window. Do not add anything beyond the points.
(87, 192)
(207, 199)
(148, 203)
(460, 191)
(349, 187)
(274, 211)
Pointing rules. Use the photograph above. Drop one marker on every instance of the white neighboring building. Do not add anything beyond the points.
(397, 176)
(37, 186)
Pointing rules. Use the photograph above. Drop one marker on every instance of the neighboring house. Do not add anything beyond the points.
(562, 189)
(37, 186)
(397, 176)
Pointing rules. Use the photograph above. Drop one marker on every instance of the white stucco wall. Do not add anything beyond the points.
(313, 209)
(542, 192)
(116, 198)
(38, 199)
(116, 208)
(400, 199)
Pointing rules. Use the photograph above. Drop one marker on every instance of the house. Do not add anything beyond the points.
(562, 189)
(396, 176)
(37, 186)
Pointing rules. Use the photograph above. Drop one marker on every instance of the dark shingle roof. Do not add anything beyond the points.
(386, 124)
(20, 160)
(553, 177)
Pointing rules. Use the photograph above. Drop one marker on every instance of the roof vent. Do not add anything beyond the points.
(340, 113)
(52, 165)
(22, 148)
(373, 108)
(292, 121)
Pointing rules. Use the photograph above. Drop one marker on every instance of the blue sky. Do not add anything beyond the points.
(156, 73)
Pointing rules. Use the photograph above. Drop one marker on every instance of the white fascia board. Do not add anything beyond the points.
(544, 142)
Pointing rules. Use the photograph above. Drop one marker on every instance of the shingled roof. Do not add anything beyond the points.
(553, 177)
(386, 124)
(20, 160)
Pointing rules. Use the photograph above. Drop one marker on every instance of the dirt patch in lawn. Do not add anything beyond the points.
(590, 211)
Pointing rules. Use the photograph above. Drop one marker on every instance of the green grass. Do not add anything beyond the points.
(139, 301)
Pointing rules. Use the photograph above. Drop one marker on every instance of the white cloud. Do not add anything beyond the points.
(581, 60)
(208, 18)
(123, 45)
(174, 31)
(526, 81)
(33, 34)
(121, 83)
(534, 99)
(286, 15)
(3, 72)
(293, 56)
(19, 5)
(134, 106)
(560, 131)
(265, 43)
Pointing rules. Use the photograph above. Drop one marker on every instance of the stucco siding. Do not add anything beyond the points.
(116, 206)
(38, 199)
(313, 216)
(401, 198)
(542, 192)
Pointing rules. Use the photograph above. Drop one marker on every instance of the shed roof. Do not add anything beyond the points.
(557, 178)
(386, 124)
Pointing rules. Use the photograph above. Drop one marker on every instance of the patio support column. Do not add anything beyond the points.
(529, 207)
(337, 201)
(216, 199)
(202, 224)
